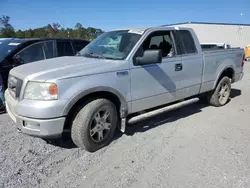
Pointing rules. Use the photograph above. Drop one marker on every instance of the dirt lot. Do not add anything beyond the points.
(197, 146)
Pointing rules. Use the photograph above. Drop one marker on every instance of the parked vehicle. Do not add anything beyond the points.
(104, 88)
(247, 52)
(207, 46)
(15, 52)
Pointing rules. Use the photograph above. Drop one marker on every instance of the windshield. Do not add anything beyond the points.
(6, 46)
(111, 45)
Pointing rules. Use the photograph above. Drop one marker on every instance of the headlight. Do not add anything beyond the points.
(41, 91)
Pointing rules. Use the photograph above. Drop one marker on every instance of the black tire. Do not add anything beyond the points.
(81, 124)
(213, 96)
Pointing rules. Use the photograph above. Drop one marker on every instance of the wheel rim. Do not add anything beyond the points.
(100, 125)
(224, 93)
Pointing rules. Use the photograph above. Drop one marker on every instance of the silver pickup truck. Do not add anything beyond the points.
(122, 77)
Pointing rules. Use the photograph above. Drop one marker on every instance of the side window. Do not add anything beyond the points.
(49, 49)
(31, 53)
(79, 45)
(64, 49)
(158, 40)
(188, 42)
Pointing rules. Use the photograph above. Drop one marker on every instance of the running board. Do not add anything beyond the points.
(162, 110)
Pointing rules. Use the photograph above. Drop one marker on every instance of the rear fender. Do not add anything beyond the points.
(220, 73)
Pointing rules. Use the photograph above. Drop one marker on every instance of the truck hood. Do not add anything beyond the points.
(65, 67)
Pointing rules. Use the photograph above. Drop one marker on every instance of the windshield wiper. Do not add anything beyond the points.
(94, 54)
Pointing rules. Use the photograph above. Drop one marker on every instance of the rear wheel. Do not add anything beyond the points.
(94, 125)
(221, 94)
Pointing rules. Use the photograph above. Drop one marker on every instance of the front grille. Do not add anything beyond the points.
(14, 86)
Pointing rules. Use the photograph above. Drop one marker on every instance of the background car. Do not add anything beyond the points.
(207, 46)
(15, 52)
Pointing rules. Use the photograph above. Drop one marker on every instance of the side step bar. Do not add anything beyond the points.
(162, 110)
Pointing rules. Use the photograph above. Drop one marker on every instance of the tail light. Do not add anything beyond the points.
(243, 60)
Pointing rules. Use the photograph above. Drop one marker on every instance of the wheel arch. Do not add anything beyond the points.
(98, 92)
(227, 71)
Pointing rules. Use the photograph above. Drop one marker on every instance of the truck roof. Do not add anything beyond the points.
(141, 30)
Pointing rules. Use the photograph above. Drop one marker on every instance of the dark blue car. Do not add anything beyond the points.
(15, 52)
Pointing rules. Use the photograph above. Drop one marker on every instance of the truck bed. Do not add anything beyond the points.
(215, 61)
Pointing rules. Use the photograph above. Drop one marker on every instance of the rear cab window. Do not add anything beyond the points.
(184, 42)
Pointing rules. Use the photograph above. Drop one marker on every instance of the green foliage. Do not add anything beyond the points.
(51, 30)
(20, 34)
(6, 30)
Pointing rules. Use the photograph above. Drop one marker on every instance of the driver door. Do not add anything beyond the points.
(156, 84)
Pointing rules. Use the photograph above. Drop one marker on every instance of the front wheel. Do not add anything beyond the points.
(94, 124)
(221, 94)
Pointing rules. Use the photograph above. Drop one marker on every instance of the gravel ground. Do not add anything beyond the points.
(196, 146)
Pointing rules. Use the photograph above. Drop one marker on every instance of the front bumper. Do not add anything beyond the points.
(44, 128)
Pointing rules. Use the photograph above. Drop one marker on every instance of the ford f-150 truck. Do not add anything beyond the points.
(121, 77)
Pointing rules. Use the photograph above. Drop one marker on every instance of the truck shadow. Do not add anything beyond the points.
(164, 118)
(66, 142)
(172, 116)
(235, 93)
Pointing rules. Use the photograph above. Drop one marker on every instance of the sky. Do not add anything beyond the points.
(113, 14)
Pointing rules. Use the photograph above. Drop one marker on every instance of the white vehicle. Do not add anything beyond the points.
(150, 71)
(205, 46)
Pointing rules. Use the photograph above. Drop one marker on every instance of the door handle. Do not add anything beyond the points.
(178, 67)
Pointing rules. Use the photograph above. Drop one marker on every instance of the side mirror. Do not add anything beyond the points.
(149, 57)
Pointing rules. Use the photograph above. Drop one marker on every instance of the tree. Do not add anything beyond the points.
(80, 31)
(70, 33)
(20, 34)
(6, 29)
(28, 33)
(40, 32)
(62, 33)
(54, 29)
(78, 26)
(91, 33)
(51, 30)
(5, 22)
